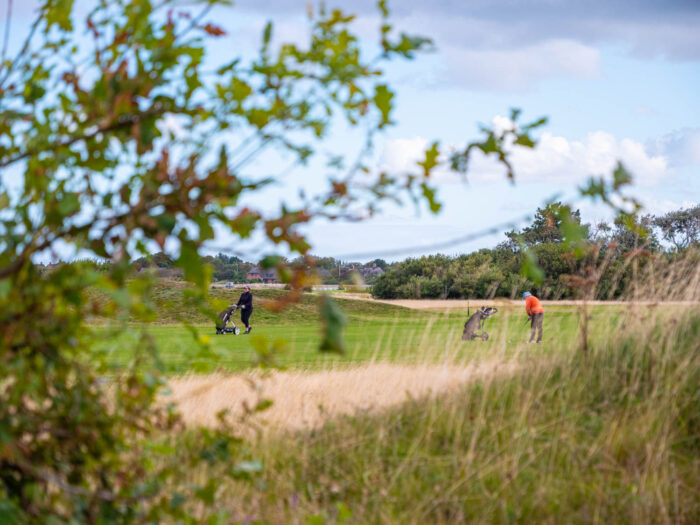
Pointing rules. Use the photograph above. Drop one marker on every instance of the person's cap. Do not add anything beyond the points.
(246, 287)
(526, 294)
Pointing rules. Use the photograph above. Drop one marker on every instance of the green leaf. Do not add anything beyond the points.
(166, 222)
(263, 405)
(490, 145)
(384, 10)
(69, 204)
(58, 12)
(531, 268)
(240, 90)
(429, 194)
(536, 124)
(192, 264)
(259, 117)
(334, 320)
(5, 288)
(206, 231)
(270, 261)
(10, 513)
(382, 100)
(267, 34)
(431, 159)
(525, 140)
(621, 176)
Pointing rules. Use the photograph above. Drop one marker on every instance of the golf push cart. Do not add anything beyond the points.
(226, 324)
(476, 322)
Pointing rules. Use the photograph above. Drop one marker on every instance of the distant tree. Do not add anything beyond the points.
(681, 228)
(162, 260)
(601, 233)
(547, 225)
(632, 232)
(380, 263)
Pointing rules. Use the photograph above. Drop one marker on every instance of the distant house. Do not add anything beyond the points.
(371, 271)
(258, 274)
(324, 273)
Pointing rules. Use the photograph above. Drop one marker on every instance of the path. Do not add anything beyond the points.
(461, 304)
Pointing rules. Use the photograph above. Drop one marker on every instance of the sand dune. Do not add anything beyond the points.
(304, 399)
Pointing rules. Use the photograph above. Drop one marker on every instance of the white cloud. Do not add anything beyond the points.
(558, 160)
(401, 155)
(663, 206)
(522, 67)
(682, 147)
(511, 45)
(555, 160)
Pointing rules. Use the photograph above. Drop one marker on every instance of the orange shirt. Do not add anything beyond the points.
(533, 306)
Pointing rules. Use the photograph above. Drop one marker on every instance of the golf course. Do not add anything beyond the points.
(413, 425)
(375, 331)
(323, 263)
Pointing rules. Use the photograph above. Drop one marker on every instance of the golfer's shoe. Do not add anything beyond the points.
(247, 330)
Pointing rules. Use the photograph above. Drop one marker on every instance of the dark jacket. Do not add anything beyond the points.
(246, 300)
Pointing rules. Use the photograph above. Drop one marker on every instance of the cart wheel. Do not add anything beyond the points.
(236, 331)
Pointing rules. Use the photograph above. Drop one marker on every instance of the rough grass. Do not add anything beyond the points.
(609, 436)
(167, 298)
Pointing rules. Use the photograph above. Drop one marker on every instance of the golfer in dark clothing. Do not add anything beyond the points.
(245, 303)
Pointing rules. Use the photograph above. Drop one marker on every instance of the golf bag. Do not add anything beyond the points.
(476, 322)
(225, 319)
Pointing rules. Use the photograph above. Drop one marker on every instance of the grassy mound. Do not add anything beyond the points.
(167, 298)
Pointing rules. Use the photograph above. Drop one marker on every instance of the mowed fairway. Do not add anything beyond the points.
(394, 334)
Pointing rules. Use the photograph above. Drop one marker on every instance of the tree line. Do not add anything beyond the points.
(328, 270)
(546, 244)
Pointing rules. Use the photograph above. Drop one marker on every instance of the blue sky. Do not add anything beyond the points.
(617, 80)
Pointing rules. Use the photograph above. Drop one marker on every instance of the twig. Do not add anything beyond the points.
(126, 121)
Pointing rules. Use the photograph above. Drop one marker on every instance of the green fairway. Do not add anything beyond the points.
(373, 333)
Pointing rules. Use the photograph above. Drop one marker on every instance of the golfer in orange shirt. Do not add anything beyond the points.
(536, 314)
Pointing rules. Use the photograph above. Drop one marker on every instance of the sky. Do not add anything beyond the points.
(617, 80)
